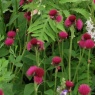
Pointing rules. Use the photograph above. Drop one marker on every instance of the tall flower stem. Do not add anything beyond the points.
(35, 88)
(88, 66)
(1, 9)
(37, 56)
(55, 80)
(81, 56)
(62, 57)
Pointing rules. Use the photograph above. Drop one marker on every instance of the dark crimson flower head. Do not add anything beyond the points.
(30, 1)
(27, 15)
(1, 92)
(79, 24)
(94, 1)
(11, 34)
(63, 35)
(22, 2)
(39, 72)
(53, 12)
(86, 36)
(72, 18)
(9, 41)
(89, 44)
(56, 60)
(34, 41)
(84, 89)
(69, 84)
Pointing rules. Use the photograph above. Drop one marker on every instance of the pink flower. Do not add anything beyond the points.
(58, 18)
(56, 60)
(53, 12)
(31, 70)
(67, 23)
(34, 41)
(63, 35)
(29, 45)
(11, 34)
(9, 41)
(39, 72)
(22, 2)
(89, 44)
(81, 43)
(86, 36)
(72, 18)
(69, 84)
(79, 24)
(27, 15)
(84, 89)
(55, 15)
(38, 80)
(1, 92)
(40, 44)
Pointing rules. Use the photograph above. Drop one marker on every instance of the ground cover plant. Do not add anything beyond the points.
(47, 47)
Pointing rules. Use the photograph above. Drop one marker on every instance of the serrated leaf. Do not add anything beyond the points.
(83, 12)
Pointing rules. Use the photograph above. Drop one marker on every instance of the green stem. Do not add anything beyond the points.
(81, 56)
(1, 9)
(55, 81)
(35, 88)
(88, 65)
(37, 56)
(62, 57)
(70, 51)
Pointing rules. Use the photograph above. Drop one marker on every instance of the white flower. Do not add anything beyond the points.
(90, 28)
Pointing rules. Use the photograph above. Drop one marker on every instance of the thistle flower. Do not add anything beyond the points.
(31, 70)
(54, 15)
(30, 1)
(86, 36)
(40, 44)
(84, 89)
(39, 72)
(72, 18)
(29, 46)
(9, 41)
(63, 35)
(56, 60)
(81, 43)
(67, 23)
(79, 24)
(94, 1)
(69, 84)
(11, 34)
(1, 92)
(89, 44)
(34, 41)
(27, 15)
(38, 80)
(22, 2)
(58, 18)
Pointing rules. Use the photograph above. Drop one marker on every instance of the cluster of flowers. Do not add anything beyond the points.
(22, 2)
(37, 72)
(86, 41)
(72, 20)
(90, 27)
(10, 38)
(1, 92)
(35, 42)
(54, 15)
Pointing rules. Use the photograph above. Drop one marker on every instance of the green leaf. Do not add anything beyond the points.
(50, 84)
(70, 1)
(29, 88)
(49, 92)
(82, 11)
